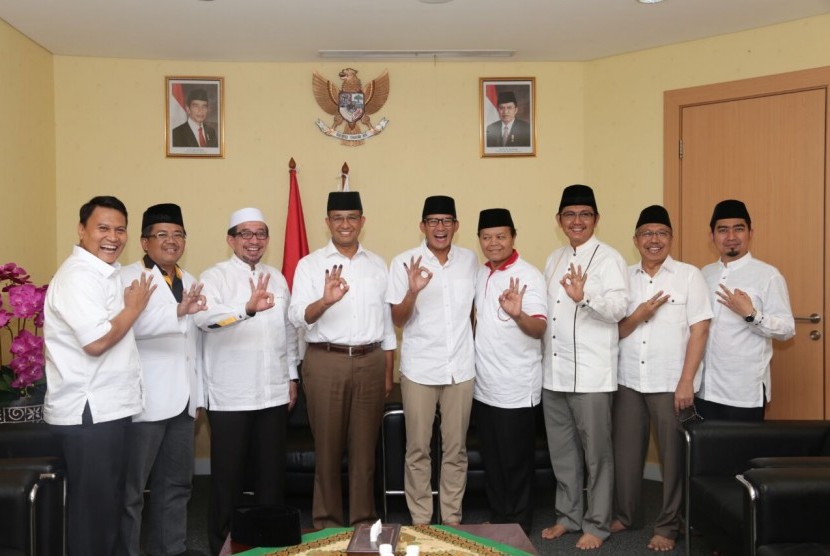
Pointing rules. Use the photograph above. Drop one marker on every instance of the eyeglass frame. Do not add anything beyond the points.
(581, 215)
(260, 234)
(162, 235)
(649, 234)
(433, 222)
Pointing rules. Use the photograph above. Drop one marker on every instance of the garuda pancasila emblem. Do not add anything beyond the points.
(351, 106)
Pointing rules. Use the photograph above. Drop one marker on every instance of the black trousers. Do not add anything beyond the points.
(95, 456)
(719, 412)
(241, 441)
(508, 440)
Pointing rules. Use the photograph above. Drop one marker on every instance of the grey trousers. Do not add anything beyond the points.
(161, 451)
(579, 439)
(634, 412)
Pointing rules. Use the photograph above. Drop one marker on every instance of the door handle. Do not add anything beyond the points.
(815, 318)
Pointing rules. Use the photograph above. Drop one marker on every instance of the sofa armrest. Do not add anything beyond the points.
(787, 505)
(724, 448)
(779, 462)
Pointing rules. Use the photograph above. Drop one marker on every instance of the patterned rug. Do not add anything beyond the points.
(434, 540)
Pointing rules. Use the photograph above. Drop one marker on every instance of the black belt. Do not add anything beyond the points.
(352, 351)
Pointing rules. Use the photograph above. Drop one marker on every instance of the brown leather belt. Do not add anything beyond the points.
(351, 351)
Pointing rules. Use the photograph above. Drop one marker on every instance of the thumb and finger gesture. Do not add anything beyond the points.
(511, 298)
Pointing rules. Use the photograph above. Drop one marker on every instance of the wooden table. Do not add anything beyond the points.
(506, 533)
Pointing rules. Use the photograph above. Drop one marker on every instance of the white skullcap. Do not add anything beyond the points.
(246, 215)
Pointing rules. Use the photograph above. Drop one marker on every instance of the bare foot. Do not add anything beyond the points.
(617, 526)
(553, 532)
(661, 543)
(588, 542)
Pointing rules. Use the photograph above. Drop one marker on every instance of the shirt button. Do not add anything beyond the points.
(642, 362)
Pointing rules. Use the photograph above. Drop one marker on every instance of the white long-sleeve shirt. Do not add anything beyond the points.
(170, 348)
(738, 353)
(582, 340)
(248, 361)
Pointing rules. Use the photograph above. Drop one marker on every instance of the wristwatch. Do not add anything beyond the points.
(751, 316)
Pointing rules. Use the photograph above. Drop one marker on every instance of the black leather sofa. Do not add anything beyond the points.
(32, 491)
(721, 506)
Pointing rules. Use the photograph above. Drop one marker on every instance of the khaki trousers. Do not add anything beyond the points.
(454, 402)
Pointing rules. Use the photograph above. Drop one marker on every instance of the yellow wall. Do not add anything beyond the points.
(27, 155)
(430, 146)
(598, 122)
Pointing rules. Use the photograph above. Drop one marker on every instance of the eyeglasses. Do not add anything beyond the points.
(340, 219)
(651, 234)
(584, 215)
(248, 234)
(164, 236)
(433, 222)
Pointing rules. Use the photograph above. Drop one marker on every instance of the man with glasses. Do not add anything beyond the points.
(587, 288)
(347, 369)
(431, 289)
(160, 439)
(751, 308)
(662, 339)
(250, 360)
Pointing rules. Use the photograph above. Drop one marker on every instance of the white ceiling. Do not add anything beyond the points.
(295, 30)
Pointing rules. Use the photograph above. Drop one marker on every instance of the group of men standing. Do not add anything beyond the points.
(129, 368)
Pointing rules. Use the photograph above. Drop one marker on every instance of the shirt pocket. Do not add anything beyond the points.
(674, 309)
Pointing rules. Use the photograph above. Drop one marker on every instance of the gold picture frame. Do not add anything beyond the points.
(507, 116)
(194, 124)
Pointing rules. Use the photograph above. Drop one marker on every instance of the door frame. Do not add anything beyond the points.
(675, 101)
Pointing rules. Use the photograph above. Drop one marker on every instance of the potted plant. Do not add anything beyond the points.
(22, 380)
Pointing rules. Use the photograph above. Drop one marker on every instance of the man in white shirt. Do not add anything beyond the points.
(250, 362)
(347, 369)
(431, 290)
(93, 373)
(160, 439)
(511, 318)
(751, 308)
(587, 288)
(662, 340)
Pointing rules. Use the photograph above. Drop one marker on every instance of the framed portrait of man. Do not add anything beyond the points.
(194, 117)
(507, 116)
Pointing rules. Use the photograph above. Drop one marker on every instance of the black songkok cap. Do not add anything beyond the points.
(507, 96)
(655, 214)
(578, 194)
(165, 213)
(344, 200)
(266, 526)
(196, 94)
(494, 218)
(729, 208)
(438, 204)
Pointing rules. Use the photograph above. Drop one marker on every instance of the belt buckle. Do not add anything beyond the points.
(350, 351)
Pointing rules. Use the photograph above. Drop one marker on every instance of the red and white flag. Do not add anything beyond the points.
(491, 104)
(177, 102)
(296, 241)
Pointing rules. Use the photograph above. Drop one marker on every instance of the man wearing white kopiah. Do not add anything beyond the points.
(250, 352)
(511, 318)
(587, 288)
(661, 351)
(160, 439)
(751, 308)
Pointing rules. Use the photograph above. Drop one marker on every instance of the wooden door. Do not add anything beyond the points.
(768, 150)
